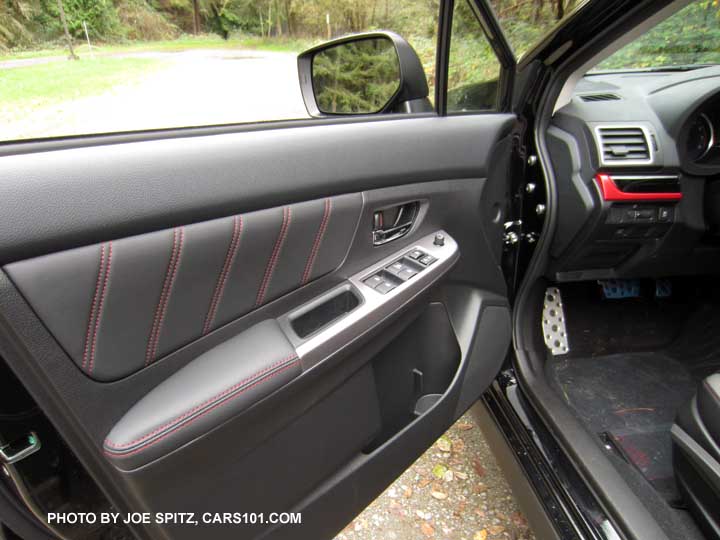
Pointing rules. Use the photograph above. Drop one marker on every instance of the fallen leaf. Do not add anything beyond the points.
(439, 470)
(424, 482)
(461, 475)
(480, 488)
(479, 469)
(407, 493)
(460, 509)
(458, 446)
(464, 426)
(518, 519)
(496, 529)
(438, 495)
(444, 444)
(448, 476)
(427, 529)
(480, 535)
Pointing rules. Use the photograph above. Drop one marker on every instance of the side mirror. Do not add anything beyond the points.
(370, 73)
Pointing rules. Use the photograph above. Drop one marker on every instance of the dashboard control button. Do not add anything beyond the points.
(427, 260)
(385, 287)
(373, 281)
(406, 273)
(416, 254)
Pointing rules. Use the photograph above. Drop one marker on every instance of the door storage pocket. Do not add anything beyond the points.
(414, 371)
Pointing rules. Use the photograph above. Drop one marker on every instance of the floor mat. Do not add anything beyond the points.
(650, 452)
(633, 398)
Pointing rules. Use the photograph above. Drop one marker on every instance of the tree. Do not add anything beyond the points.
(68, 39)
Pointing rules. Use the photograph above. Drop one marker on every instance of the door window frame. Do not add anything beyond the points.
(490, 27)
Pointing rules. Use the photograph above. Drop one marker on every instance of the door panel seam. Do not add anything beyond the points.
(318, 241)
(160, 310)
(224, 273)
(287, 217)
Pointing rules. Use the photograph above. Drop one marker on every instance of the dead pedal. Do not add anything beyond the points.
(553, 323)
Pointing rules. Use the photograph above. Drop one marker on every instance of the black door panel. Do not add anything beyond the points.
(373, 387)
(122, 305)
(80, 196)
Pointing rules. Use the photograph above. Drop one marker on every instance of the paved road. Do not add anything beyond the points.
(191, 88)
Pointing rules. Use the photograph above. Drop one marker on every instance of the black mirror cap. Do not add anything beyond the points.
(412, 95)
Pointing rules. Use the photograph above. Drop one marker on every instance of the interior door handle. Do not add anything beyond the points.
(402, 217)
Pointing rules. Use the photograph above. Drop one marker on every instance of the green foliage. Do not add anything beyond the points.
(142, 22)
(691, 36)
(358, 77)
(100, 16)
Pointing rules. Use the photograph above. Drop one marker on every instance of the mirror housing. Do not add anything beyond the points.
(412, 89)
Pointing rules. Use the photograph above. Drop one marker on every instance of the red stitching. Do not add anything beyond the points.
(257, 378)
(153, 329)
(208, 401)
(98, 317)
(170, 273)
(222, 278)
(88, 333)
(287, 216)
(318, 240)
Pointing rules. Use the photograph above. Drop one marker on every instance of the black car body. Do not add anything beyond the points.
(379, 274)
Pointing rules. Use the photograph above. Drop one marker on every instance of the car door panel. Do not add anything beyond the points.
(122, 305)
(184, 281)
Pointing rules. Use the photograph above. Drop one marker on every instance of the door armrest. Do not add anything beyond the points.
(211, 389)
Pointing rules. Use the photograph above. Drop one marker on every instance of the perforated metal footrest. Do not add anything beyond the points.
(553, 323)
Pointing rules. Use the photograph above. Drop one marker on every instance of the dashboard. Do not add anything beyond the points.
(636, 157)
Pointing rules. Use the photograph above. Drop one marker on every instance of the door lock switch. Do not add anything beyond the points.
(427, 260)
(416, 254)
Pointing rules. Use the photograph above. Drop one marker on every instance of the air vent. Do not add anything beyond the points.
(624, 144)
(600, 97)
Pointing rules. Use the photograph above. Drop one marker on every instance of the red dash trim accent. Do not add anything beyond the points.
(214, 402)
(287, 216)
(318, 241)
(222, 278)
(101, 303)
(170, 274)
(610, 192)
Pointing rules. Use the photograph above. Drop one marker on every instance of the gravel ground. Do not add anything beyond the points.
(455, 491)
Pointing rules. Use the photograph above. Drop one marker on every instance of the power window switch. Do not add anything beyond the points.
(427, 260)
(406, 273)
(374, 281)
(395, 268)
(385, 287)
(416, 254)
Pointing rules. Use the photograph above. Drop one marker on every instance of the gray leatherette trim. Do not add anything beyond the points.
(122, 305)
(211, 389)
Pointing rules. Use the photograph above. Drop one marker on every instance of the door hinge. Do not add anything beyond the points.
(512, 232)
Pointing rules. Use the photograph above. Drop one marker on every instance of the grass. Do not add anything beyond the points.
(31, 87)
(184, 43)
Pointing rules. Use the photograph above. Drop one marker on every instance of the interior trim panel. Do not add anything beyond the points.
(122, 305)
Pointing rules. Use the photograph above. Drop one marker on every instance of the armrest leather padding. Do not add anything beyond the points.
(211, 389)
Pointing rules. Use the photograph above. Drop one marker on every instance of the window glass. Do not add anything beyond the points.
(688, 38)
(525, 22)
(473, 68)
(151, 64)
